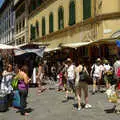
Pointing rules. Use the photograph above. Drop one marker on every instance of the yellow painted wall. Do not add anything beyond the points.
(54, 8)
(111, 26)
(109, 6)
(102, 6)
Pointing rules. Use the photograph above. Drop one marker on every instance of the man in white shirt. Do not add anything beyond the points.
(70, 76)
(96, 74)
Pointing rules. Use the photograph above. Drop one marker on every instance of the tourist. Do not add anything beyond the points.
(108, 74)
(6, 82)
(39, 77)
(53, 72)
(96, 74)
(82, 77)
(70, 77)
(23, 89)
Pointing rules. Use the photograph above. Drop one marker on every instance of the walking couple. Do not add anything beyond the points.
(77, 78)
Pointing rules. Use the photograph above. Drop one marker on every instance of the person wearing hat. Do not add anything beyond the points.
(96, 74)
(70, 76)
(108, 73)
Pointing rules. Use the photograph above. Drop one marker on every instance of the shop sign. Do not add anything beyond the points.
(106, 31)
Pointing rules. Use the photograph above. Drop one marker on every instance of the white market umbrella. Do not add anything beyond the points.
(6, 47)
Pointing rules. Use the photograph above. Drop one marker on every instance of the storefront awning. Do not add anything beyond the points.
(52, 49)
(104, 41)
(32, 45)
(53, 46)
(3, 46)
(76, 45)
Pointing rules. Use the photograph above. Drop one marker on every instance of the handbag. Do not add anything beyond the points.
(83, 75)
(14, 83)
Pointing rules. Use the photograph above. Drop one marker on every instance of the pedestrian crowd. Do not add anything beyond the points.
(74, 79)
(15, 81)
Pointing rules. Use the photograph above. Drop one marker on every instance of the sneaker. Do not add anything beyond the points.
(88, 106)
(79, 108)
(93, 93)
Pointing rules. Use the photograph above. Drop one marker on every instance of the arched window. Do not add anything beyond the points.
(60, 18)
(43, 26)
(51, 23)
(72, 13)
(86, 9)
(37, 28)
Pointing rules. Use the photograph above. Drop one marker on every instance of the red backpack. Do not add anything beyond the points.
(118, 72)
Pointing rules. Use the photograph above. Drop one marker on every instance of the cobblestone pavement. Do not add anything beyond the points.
(50, 105)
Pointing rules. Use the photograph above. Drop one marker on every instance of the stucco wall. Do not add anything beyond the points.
(110, 27)
(109, 6)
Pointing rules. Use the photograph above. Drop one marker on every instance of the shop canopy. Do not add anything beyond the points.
(6, 47)
(76, 45)
(38, 52)
(52, 49)
(104, 41)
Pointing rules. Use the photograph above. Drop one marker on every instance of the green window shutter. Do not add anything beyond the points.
(39, 2)
(86, 9)
(60, 18)
(37, 28)
(51, 23)
(33, 4)
(34, 36)
(43, 27)
(31, 32)
(72, 13)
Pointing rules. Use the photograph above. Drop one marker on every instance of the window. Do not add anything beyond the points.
(51, 23)
(33, 5)
(20, 26)
(37, 28)
(23, 24)
(32, 31)
(43, 26)
(86, 9)
(17, 28)
(20, 10)
(60, 18)
(72, 12)
(39, 2)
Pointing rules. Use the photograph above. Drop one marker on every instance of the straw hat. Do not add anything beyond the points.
(69, 60)
(98, 60)
(106, 61)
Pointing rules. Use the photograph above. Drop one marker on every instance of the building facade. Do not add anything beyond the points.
(21, 21)
(7, 20)
(70, 22)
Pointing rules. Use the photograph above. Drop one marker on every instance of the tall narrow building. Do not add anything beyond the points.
(7, 20)
(21, 21)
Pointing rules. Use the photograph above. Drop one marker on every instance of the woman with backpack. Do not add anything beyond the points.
(96, 74)
(82, 76)
(108, 74)
(23, 81)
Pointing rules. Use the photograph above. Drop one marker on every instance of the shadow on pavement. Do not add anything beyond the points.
(67, 99)
(28, 110)
(112, 110)
(76, 105)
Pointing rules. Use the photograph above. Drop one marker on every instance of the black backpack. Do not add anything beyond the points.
(83, 75)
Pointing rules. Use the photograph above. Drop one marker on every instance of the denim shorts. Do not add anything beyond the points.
(70, 84)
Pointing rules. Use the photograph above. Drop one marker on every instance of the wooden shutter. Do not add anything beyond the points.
(51, 23)
(72, 13)
(86, 9)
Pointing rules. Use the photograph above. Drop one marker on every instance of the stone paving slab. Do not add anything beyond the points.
(49, 106)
